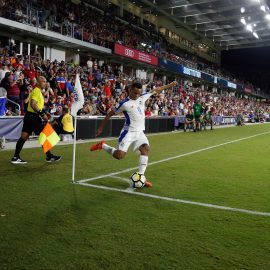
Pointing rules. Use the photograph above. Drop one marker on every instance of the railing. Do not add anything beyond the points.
(17, 112)
(39, 18)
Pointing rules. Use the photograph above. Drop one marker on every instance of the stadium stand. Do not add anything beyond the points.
(104, 84)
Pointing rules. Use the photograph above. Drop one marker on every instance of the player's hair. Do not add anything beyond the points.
(137, 85)
(65, 109)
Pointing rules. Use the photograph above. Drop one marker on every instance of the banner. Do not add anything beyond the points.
(207, 77)
(231, 85)
(191, 72)
(78, 97)
(179, 68)
(169, 65)
(11, 127)
(3, 101)
(248, 90)
(135, 54)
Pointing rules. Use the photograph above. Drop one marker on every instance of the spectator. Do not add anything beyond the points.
(64, 124)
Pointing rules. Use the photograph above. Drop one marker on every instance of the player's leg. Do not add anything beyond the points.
(19, 145)
(26, 131)
(198, 124)
(185, 126)
(118, 154)
(120, 151)
(194, 125)
(204, 123)
(142, 144)
(143, 160)
(124, 141)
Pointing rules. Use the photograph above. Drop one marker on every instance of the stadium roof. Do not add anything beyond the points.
(230, 24)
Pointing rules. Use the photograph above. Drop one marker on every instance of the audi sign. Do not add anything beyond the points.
(129, 53)
(135, 54)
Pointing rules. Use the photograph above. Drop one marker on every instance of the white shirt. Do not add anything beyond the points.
(89, 64)
(3, 73)
(134, 112)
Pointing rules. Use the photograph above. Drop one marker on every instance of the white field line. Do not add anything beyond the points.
(130, 188)
(171, 158)
(251, 212)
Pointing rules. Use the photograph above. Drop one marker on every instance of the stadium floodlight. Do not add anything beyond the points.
(263, 8)
(249, 28)
(242, 10)
(243, 21)
(255, 35)
(267, 17)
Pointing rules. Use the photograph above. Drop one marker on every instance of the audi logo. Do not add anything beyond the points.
(129, 52)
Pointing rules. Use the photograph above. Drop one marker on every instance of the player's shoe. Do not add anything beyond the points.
(148, 184)
(97, 146)
(53, 158)
(17, 160)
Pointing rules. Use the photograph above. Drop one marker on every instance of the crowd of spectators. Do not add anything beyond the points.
(97, 23)
(104, 86)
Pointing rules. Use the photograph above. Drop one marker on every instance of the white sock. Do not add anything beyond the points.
(110, 150)
(143, 161)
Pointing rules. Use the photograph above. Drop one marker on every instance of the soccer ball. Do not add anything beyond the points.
(137, 180)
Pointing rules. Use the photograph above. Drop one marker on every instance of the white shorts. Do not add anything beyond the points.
(130, 138)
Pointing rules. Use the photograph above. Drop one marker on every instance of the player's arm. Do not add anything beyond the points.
(164, 87)
(104, 122)
(41, 113)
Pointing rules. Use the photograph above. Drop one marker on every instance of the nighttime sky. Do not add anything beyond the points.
(252, 64)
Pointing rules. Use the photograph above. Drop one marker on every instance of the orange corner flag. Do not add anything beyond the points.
(48, 138)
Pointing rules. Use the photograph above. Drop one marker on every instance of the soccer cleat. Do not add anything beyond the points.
(97, 146)
(148, 184)
(17, 160)
(53, 158)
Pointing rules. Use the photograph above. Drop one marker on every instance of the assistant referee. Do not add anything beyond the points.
(32, 122)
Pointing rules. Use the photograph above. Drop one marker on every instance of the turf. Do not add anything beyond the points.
(48, 223)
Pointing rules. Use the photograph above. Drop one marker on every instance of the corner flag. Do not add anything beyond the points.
(78, 97)
(48, 138)
(75, 106)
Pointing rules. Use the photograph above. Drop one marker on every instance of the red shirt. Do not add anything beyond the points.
(107, 90)
(147, 113)
(14, 90)
(31, 74)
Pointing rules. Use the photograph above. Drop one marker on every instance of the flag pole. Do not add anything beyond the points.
(74, 150)
(75, 107)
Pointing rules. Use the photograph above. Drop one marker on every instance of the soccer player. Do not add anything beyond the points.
(32, 122)
(198, 110)
(207, 117)
(132, 133)
(190, 119)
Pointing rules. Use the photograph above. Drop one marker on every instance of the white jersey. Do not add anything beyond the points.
(134, 112)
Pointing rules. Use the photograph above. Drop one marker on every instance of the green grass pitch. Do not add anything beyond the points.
(46, 222)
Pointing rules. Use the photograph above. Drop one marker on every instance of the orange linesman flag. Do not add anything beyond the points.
(48, 138)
